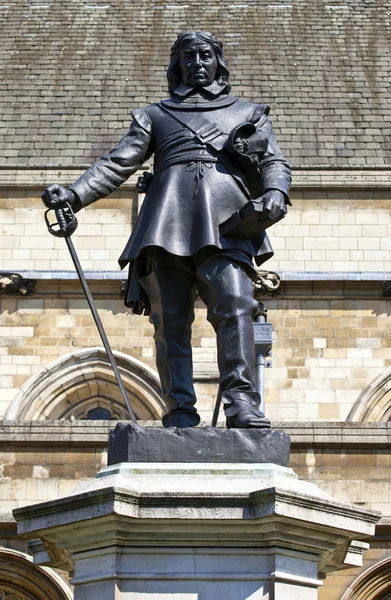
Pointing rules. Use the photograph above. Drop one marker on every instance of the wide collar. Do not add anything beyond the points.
(213, 90)
(208, 98)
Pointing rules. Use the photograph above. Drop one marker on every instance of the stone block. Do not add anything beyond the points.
(129, 443)
(219, 531)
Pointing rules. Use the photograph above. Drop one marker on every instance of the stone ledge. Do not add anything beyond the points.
(95, 433)
(331, 178)
(288, 276)
(239, 506)
(303, 178)
(41, 177)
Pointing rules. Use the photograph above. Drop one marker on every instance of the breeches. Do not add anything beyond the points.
(223, 281)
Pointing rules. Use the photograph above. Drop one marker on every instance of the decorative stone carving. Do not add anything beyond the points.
(387, 289)
(21, 579)
(6, 595)
(268, 283)
(13, 284)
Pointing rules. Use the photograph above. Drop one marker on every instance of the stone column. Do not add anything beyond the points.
(198, 530)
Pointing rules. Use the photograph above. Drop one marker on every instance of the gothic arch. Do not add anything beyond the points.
(374, 402)
(373, 584)
(20, 579)
(74, 384)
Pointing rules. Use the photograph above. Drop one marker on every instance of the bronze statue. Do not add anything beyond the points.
(219, 181)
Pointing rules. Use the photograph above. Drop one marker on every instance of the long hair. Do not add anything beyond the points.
(173, 72)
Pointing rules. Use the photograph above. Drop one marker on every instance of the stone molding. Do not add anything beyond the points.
(295, 285)
(20, 178)
(330, 178)
(318, 177)
(20, 579)
(95, 433)
(47, 392)
(285, 276)
(267, 506)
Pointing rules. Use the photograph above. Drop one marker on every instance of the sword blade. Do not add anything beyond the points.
(99, 325)
(216, 411)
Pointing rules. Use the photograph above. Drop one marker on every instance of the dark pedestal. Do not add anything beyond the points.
(131, 443)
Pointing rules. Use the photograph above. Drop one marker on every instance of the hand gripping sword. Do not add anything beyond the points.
(64, 227)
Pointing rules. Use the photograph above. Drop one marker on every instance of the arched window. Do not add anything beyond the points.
(20, 579)
(374, 402)
(99, 414)
(82, 385)
(373, 584)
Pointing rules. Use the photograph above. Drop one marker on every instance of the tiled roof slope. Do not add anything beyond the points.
(71, 71)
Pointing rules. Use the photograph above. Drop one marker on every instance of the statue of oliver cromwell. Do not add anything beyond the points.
(219, 181)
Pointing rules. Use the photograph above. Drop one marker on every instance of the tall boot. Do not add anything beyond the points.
(171, 294)
(227, 291)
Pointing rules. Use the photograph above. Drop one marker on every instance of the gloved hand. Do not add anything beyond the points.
(255, 216)
(274, 205)
(144, 181)
(55, 196)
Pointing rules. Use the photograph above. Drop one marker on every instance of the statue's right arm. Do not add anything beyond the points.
(110, 171)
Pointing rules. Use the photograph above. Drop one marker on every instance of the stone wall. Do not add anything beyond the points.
(341, 222)
(334, 231)
(331, 339)
(325, 352)
(26, 244)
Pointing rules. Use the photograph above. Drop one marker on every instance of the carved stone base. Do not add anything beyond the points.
(150, 531)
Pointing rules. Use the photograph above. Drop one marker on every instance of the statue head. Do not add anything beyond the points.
(193, 46)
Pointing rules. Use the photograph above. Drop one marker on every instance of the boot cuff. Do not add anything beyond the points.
(234, 402)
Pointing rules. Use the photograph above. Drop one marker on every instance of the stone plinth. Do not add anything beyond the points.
(197, 531)
(131, 443)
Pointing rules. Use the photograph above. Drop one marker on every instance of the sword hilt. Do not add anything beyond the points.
(66, 223)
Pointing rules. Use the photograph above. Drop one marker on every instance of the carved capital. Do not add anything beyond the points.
(267, 283)
(12, 284)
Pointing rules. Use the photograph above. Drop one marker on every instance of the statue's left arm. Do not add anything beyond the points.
(274, 170)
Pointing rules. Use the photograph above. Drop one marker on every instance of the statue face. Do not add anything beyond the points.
(198, 64)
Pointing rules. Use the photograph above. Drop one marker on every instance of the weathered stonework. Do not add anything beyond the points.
(63, 104)
(45, 460)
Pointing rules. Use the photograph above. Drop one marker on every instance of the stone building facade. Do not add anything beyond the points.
(70, 74)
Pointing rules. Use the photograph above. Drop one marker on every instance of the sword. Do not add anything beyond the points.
(64, 227)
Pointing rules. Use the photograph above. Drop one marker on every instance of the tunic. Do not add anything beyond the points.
(192, 192)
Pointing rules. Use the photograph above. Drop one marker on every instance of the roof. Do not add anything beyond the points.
(72, 70)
